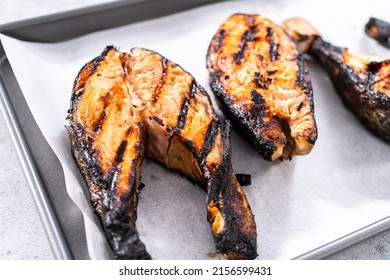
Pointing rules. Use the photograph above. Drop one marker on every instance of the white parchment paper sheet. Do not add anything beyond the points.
(343, 185)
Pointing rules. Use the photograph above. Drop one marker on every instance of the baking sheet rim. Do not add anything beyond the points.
(45, 210)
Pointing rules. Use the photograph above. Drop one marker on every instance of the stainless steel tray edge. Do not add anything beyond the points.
(73, 23)
(346, 241)
(47, 215)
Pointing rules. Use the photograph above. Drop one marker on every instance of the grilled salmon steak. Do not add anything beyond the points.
(262, 83)
(127, 106)
(362, 82)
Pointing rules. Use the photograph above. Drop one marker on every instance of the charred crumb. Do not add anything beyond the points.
(141, 186)
(261, 81)
(212, 254)
(244, 179)
(379, 30)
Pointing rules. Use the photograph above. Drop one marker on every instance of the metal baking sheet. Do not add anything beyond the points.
(61, 218)
(26, 123)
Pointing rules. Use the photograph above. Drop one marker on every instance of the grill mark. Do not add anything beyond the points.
(84, 74)
(181, 119)
(300, 106)
(156, 93)
(117, 208)
(108, 201)
(208, 143)
(210, 136)
(219, 39)
(248, 36)
(193, 89)
(273, 52)
(130, 200)
(113, 175)
(256, 109)
(273, 47)
(158, 120)
(125, 73)
(301, 79)
(270, 32)
(369, 83)
(120, 152)
(129, 131)
(98, 126)
(89, 68)
(122, 146)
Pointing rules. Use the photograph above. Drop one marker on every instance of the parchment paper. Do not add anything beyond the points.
(343, 185)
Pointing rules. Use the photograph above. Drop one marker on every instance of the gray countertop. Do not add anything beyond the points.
(21, 233)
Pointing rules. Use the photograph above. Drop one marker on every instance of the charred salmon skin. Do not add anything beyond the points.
(263, 86)
(128, 106)
(379, 30)
(362, 82)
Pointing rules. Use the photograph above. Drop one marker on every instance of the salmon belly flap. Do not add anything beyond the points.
(262, 83)
(127, 106)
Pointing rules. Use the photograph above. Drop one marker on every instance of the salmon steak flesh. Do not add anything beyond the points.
(263, 86)
(128, 106)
